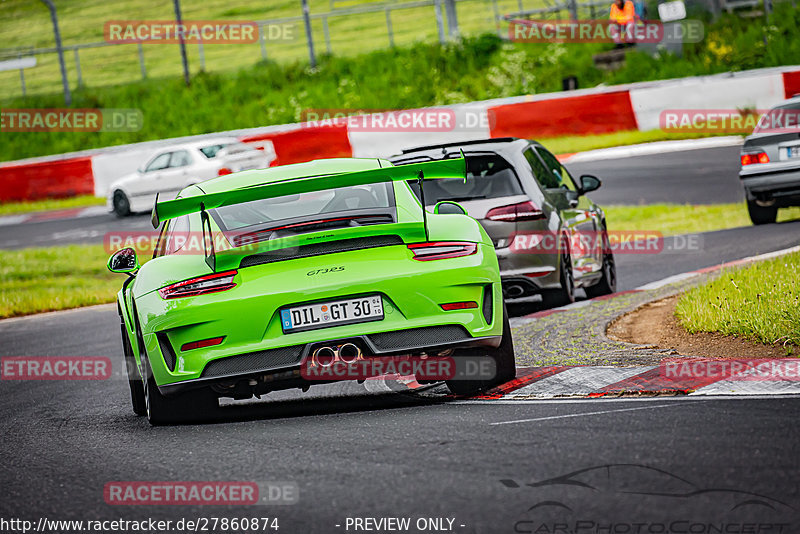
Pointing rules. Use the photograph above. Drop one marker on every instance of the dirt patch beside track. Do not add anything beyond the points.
(656, 326)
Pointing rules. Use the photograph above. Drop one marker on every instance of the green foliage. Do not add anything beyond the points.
(420, 74)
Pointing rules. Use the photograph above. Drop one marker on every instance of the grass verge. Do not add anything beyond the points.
(672, 219)
(760, 302)
(45, 279)
(82, 201)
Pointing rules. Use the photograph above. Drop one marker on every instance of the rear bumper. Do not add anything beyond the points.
(782, 187)
(282, 367)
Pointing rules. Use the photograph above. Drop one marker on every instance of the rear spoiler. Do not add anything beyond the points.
(169, 209)
(428, 170)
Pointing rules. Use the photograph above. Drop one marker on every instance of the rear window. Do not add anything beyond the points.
(306, 206)
(210, 151)
(488, 176)
(781, 119)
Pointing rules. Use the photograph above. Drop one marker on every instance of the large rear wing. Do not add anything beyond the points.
(169, 209)
(429, 170)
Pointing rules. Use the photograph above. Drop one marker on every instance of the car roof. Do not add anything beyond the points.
(500, 145)
(319, 167)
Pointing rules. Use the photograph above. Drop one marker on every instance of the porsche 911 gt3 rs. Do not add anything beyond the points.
(330, 261)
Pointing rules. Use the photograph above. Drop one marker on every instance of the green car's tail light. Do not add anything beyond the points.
(211, 283)
(440, 250)
(524, 211)
(202, 343)
(755, 157)
(468, 305)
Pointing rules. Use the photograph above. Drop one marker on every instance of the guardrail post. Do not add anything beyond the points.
(389, 26)
(141, 60)
(496, 12)
(78, 67)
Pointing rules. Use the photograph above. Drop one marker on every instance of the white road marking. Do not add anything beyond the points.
(566, 416)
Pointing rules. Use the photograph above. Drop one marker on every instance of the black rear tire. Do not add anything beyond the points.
(554, 298)
(138, 402)
(608, 283)
(505, 365)
(761, 214)
(189, 407)
(122, 207)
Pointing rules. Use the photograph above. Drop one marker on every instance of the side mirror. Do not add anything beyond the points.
(448, 207)
(590, 183)
(123, 261)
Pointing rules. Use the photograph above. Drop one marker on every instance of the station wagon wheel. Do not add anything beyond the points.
(553, 298)
(761, 214)
(122, 207)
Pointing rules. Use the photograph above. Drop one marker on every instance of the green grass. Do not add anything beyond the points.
(82, 201)
(363, 73)
(672, 219)
(760, 302)
(44, 279)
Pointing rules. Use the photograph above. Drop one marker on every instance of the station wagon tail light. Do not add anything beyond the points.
(450, 306)
(441, 250)
(202, 285)
(753, 158)
(202, 343)
(524, 211)
(223, 171)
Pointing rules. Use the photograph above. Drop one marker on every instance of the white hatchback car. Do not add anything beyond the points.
(172, 168)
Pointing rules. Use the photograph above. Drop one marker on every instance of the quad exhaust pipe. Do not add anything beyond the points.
(347, 353)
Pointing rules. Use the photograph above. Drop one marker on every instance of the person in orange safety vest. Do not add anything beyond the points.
(623, 14)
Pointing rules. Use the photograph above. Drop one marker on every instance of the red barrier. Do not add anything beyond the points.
(576, 115)
(305, 144)
(49, 179)
(791, 83)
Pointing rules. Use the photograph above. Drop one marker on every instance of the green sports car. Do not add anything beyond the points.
(261, 275)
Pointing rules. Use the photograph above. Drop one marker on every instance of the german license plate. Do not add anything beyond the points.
(332, 313)
(793, 151)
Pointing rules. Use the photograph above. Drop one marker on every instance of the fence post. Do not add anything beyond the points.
(310, 38)
(60, 49)
(327, 33)
(202, 54)
(452, 18)
(496, 12)
(141, 60)
(389, 26)
(263, 41)
(437, 7)
(572, 6)
(22, 78)
(78, 67)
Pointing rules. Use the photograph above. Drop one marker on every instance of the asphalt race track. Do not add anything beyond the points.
(666, 464)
